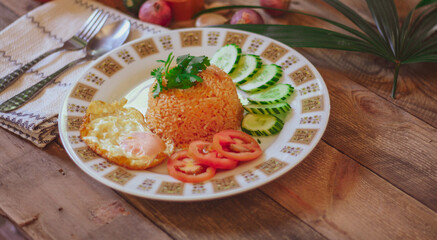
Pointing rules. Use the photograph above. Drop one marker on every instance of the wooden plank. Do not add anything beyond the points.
(20, 7)
(396, 145)
(49, 197)
(341, 199)
(416, 89)
(370, 129)
(6, 16)
(251, 215)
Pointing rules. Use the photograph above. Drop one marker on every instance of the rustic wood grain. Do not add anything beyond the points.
(20, 7)
(417, 87)
(347, 201)
(391, 142)
(49, 197)
(372, 177)
(251, 215)
(6, 17)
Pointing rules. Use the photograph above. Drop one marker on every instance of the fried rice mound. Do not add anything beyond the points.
(196, 113)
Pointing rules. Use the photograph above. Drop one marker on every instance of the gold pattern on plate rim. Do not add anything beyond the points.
(108, 66)
(274, 52)
(302, 75)
(312, 104)
(271, 166)
(145, 48)
(235, 38)
(166, 42)
(83, 92)
(93, 78)
(73, 123)
(86, 154)
(191, 38)
(120, 176)
(171, 188)
(212, 38)
(304, 136)
(225, 184)
(125, 56)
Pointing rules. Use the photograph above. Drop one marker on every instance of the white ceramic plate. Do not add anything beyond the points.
(123, 73)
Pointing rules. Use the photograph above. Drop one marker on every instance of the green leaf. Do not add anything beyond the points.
(413, 41)
(157, 73)
(386, 19)
(425, 25)
(156, 90)
(379, 45)
(172, 77)
(429, 46)
(182, 76)
(425, 3)
(365, 26)
(168, 62)
(404, 34)
(303, 36)
(197, 64)
(421, 29)
(422, 58)
(427, 49)
(184, 60)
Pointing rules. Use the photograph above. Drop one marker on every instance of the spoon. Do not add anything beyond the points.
(109, 37)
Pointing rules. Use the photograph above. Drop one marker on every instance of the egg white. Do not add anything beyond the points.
(104, 127)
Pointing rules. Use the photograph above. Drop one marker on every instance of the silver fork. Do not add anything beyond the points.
(77, 42)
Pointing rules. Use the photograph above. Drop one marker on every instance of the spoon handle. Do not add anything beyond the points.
(15, 75)
(23, 97)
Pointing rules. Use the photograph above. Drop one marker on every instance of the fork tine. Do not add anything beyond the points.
(97, 27)
(91, 19)
(90, 26)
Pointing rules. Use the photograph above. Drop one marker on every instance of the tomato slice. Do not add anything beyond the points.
(236, 145)
(203, 153)
(186, 169)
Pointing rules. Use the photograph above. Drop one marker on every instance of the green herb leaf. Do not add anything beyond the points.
(197, 64)
(182, 76)
(157, 73)
(184, 60)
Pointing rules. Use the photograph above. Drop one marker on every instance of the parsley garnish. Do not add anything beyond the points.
(183, 76)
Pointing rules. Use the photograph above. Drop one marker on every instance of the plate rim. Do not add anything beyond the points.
(189, 198)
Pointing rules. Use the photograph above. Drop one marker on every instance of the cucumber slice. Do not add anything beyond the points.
(227, 57)
(276, 108)
(248, 65)
(261, 125)
(263, 79)
(278, 93)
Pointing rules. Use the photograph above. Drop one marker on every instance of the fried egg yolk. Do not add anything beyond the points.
(121, 136)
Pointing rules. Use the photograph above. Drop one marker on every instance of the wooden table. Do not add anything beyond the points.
(372, 176)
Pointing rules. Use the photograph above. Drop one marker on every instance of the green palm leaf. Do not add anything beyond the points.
(386, 19)
(365, 26)
(424, 3)
(413, 41)
(303, 36)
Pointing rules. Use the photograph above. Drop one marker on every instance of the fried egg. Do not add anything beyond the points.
(121, 136)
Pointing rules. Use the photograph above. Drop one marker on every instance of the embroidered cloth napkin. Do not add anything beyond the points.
(42, 29)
